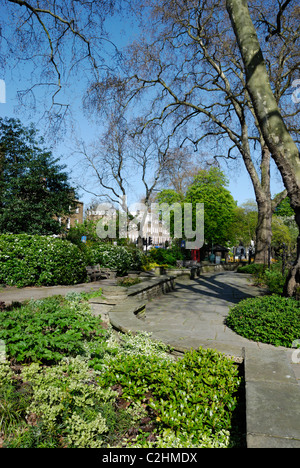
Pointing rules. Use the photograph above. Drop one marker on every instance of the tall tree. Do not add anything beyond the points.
(188, 64)
(209, 186)
(271, 122)
(53, 44)
(34, 189)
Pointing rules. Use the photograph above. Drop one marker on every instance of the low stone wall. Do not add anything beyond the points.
(196, 270)
(127, 314)
(152, 287)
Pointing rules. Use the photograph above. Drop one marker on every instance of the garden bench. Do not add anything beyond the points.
(96, 273)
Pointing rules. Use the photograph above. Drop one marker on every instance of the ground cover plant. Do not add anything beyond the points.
(127, 282)
(69, 381)
(268, 319)
(272, 278)
(47, 330)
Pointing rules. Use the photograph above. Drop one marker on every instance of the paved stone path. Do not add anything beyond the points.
(11, 294)
(193, 315)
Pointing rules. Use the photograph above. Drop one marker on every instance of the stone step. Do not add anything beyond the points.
(102, 311)
(114, 291)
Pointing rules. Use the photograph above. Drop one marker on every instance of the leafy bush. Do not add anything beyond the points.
(192, 398)
(47, 330)
(269, 319)
(272, 277)
(274, 280)
(252, 269)
(27, 260)
(165, 256)
(115, 257)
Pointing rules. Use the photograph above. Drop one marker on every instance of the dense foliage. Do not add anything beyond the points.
(103, 389)
(269, 319)
(45, 331)
(284, 209)
(166, 256)
(272, 278)
(27, 260)
(192, 397)
(34, 189)
(209, 188)
(115, 257)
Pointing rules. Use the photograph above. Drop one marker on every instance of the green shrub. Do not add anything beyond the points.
(116, 257)
(193, 396)
(269, 319)
(252, 269)
(47, 330)
(274, 280)
(165, 256)
(272, 277)
(27, 260)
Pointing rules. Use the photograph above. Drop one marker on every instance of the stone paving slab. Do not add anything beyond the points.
(273, 398)
(13, 294)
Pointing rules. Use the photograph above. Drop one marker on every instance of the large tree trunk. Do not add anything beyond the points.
(280, 143)
(292, 286)
(264, 204)
(263, 232)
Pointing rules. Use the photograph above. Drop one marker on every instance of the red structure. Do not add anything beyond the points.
(195, 253)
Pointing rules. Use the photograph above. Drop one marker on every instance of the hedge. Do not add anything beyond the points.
(27, 260)
(115, 257)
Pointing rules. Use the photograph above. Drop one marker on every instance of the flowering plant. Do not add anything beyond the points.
(27, 260)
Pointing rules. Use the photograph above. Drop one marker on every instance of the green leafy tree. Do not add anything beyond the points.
(209, 187)
(284, 209)
(243, 227)
(169, 196)
(87, 229)
(34, 190)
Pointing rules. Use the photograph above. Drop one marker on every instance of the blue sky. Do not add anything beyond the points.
(239, 182)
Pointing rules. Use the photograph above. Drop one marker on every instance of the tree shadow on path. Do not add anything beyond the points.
(221, 286)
